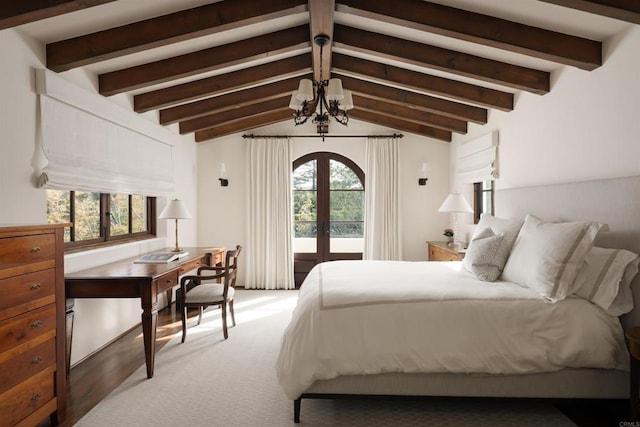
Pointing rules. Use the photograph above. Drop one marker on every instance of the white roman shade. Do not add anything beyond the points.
(90, 144)
(477, 159)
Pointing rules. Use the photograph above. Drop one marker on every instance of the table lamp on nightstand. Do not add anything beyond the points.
(175, 209)
(455, 203)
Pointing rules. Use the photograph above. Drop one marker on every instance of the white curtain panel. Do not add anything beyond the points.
(382, 200)
(269, 227)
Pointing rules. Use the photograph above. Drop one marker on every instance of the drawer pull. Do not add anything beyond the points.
(36, 324)
(36, 360)
(35, 249)
(35, 286)
(36, 397)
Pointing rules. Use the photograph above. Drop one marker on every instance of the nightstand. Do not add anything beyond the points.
(633, 336)
(441, 251)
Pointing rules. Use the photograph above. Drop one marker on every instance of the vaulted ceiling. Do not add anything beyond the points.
(218, 68)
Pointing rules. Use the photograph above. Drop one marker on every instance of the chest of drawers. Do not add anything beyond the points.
(32, 325)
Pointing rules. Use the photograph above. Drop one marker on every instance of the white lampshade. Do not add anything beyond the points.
(455, 203)
(305, 90)
(334, 91)
(175, 209)
(294, 102)
(347, 102)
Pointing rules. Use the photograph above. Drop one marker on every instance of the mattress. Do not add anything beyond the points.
(377, 317)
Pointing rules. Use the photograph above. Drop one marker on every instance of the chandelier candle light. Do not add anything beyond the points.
(329, 100)
(175, 209)
(455, 203)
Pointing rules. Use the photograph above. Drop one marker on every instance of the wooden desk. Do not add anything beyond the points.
(124, 279)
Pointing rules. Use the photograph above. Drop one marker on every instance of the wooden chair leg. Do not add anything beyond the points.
(184, 322)
(224, 320)
(233, 316)
(200, 314)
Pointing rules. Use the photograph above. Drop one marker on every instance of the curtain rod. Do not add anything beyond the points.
(252, 136)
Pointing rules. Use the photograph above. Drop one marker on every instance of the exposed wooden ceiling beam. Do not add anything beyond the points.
(164, 30)
(228, 101)
(19, 12)
(289, 40)
(482, 29)
(394, 76)
(244, 125)
(415, 100)
(409, 114)
(234, 114)
(282, 69)
(625, 10)
(401, 125)
(451, 61)
(321, 22)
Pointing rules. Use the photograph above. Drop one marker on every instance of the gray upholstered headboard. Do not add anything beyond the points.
(615, 202)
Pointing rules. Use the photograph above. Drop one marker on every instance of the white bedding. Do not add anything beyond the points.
(370, 317)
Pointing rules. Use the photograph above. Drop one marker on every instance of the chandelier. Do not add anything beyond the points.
(329, 99)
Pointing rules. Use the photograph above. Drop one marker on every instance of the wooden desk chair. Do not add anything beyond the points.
(220, 293)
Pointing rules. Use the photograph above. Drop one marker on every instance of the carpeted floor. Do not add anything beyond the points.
(212, 382)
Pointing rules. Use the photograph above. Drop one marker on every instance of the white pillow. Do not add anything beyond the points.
(546, 256)
(508, 227)
(605, 279)
(481, 257)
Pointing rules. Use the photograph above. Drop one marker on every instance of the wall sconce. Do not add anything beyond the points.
(224, 182)
(423, 174)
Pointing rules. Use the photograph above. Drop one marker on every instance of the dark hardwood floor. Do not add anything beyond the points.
(94, 378)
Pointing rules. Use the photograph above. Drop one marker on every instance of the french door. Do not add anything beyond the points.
(328, 205)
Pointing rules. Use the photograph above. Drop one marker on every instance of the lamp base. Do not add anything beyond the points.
(176, 249)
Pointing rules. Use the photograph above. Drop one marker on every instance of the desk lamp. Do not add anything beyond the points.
(175, 209)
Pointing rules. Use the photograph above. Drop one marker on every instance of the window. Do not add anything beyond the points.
(101, 219)
(482, 199)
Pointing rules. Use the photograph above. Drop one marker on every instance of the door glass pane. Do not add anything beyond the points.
(346, 212)
(119, 214)
(138, 213)
(305, 207)
(87, 216)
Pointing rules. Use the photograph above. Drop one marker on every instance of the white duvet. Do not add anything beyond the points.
(369, 317)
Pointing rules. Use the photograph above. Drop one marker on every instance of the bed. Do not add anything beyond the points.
(443, 333)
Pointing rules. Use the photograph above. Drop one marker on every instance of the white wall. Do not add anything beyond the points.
(222, 209)
(587, 127)
(97, 321)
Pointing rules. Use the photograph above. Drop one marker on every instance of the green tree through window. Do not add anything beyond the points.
(99, 218)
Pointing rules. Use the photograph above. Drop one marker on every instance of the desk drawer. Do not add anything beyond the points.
(27, 249)
(16, 369)
(20, 329)
(167, 281)
(25, 398)
(191, 265)
(26, 292)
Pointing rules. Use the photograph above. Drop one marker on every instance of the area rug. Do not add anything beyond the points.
(209, 381)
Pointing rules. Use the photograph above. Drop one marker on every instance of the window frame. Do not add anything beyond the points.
(478, 198)
(105, 239)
